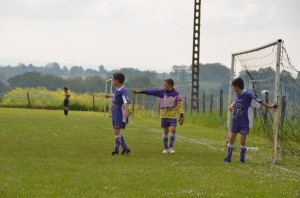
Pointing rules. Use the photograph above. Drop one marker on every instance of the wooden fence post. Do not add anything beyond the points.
(203, 104)
(221, 102)
(29, 105)
(211, 103)
(93, 102)
(185, 104)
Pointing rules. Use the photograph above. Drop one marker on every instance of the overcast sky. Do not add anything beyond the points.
(143, 34)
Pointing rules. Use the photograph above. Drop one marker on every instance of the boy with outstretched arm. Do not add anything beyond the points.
(170, 106)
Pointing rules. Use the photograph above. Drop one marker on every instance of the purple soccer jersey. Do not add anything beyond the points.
(170, 102)
(119, 99)
(243, 114)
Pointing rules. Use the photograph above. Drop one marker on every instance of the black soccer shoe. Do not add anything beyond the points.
(126, 151)
(114, 153)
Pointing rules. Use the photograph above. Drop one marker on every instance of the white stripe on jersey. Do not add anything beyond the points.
(255, 103)
(124, 99)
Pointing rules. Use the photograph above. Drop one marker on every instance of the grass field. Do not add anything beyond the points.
(44, 154)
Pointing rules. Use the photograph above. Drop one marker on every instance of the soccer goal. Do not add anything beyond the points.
(269, 74)
(108, 90)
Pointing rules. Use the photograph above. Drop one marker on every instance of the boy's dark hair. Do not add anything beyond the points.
(238, 82)
(66, 88)
(170, 81)
(119, 76)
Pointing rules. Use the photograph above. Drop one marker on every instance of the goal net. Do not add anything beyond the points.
(269, 74)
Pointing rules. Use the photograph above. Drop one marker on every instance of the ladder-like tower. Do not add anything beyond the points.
(196, 63)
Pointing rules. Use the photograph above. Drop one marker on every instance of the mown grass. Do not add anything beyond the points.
(44, 154)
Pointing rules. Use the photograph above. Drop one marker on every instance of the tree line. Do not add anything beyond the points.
(213, 78)
(52, 76)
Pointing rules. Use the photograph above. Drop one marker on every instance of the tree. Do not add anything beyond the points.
(91, 72)
(65, 70)
(3, 87)
(53, 68)
(102, 70)
(34, 79)
(76, 71)
(94, 84)
(2, 77)
(181, 73)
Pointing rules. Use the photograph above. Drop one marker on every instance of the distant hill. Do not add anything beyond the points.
(213, 76)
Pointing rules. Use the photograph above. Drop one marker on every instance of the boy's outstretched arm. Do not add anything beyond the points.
(137, 91)
(108, 95)
(274, 105)
(149, 92)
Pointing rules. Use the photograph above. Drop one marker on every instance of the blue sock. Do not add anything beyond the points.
(243, 153)
(123, 144)
(166, 141)
(172, 139)
(229, 151)
(117, 142)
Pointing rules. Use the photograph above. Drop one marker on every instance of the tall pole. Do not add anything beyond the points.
(276, 94)
(196, 57)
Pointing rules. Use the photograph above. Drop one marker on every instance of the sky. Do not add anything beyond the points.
(143, 34)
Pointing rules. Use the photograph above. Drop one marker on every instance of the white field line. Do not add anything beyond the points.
(285, 169)
(195, 141)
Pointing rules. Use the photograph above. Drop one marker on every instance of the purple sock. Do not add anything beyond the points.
(166, 141)
(172, 139)
(243, 153)
(123, 144)
(117, 142)
(229, 151)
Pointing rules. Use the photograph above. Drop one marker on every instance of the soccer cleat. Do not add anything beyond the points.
(114, 153)
(126, 151)
(242, 161)
(165, 151)
(227, 160)
(171, 150)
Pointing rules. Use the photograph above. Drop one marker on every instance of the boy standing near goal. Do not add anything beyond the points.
(242, 117)
(170, 106)
(120, 106)
(66, 101)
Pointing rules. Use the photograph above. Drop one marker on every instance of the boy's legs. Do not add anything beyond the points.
(66, 109)
(126, 149)
(120, 139)
(230, 147)
(243, 147)
(165, 139)
(117, 141)
(166, 123)
(172, 138)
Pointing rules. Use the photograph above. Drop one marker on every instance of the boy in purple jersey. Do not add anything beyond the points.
(242, 117)
(170, 106)
(66, 101)
(120, 106)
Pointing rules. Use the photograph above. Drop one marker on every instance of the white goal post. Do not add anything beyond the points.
(234, 73)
